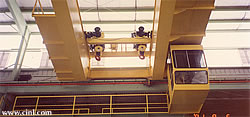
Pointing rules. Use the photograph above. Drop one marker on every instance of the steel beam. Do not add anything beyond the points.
(24, 31)
(64, 39)
(87, 89)
(90, 9)
(109, 88)
(115, 73)
(120, 54)
(163, 17)
(126, 32)
(129, 9)
(140, 22)
(119, 41)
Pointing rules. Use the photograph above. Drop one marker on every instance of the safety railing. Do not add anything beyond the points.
(35, 7)
(39, 11)
(1, 100)
(94, 104)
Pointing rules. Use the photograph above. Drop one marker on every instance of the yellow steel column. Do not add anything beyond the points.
(37, 101)
(73, 110)
(147, 102)
(110, 105)
(14, 104)
(64, 38)
(70, 28)
(1, 100)
(163, 17)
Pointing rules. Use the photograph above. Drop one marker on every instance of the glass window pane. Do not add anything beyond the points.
(196, 58)
(191, 77)
(180, 59)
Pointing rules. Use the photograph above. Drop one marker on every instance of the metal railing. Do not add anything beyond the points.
(1, 100)
(94, 104)
(41, 12)
(35, 7)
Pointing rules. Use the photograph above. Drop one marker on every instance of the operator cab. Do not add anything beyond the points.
(188, 76)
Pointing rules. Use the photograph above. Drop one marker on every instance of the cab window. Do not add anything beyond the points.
(189, 59)
(191, 77)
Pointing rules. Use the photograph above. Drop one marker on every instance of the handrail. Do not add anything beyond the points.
(1, 100)
(41, 8)
(86, 104)
(76, 106)
(33, 10)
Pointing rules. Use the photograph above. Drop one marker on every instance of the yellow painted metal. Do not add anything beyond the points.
(64, 38)
(163, 17)
(186, 98)
(141, 48)
(120, 54)
(37, 102)
(135, 108)
(147, 103)
(74, 102)
(35, 6)
(87, 104)
(177, 22)
(119, 41)
(110, 106)
(75, 105)
(14, 104)
(180, 10)
(114, 73)
(190, 38)
(192, 20)
(1, 100)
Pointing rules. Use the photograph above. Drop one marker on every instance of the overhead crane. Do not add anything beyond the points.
(178, 29)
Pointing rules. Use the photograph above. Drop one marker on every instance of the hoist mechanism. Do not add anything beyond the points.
(141, 48)
(98, 49)
(97, 42)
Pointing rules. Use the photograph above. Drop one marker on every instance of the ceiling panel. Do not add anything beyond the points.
(145, 3)
(89, 16)
(36, 41)
(232, 2)
(120, 3)
(9, 41)
(227, 40)
(230, 15)
(111, 16)
(28, 16)
(33, 28)
(116, 3)
(3, 4)
(223, 58)
(213, 26)
(93, 16)
(7, 28)
(145, 15)
(87, 3)
(5, 17)
(247, 15)
(244, 26)
(31, 3)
